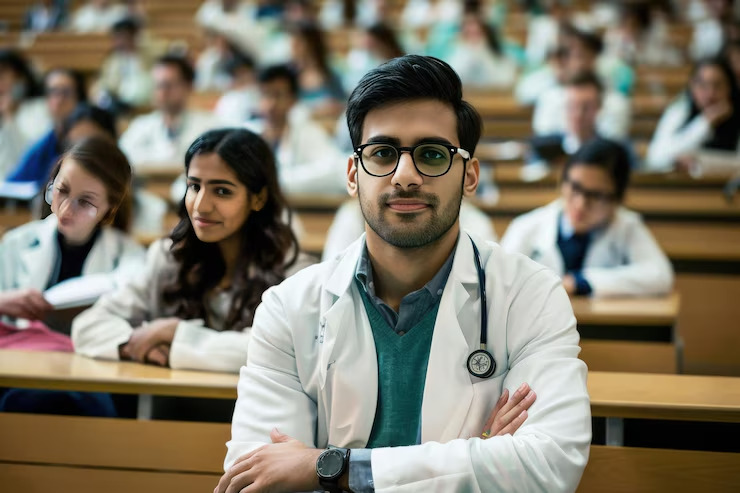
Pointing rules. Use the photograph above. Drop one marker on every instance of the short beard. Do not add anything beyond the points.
(409, 237)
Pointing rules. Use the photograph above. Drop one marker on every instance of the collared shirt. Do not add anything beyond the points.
(413, 307)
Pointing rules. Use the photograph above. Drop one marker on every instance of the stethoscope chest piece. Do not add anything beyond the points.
(481, 363)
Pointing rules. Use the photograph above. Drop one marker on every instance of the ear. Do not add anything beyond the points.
(472, 175)
(352, 184)
(258, 200)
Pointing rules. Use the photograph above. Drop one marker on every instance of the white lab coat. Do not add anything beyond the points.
(674, 138)
(100, 330)
(312, 373)
(623, 260)
(308, 161)
(480, 67)
(613, 120)
(28, 255)
(348, 225)
(145, 141)
(90, 18)
(28, 125)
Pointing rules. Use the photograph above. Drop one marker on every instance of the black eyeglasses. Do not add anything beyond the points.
(429, 159)
(594, 197)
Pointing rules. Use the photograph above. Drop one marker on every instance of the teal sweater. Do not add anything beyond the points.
(402, 370)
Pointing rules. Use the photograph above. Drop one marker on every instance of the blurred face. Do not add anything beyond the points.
(171, 91)
(123, 41)
(588, 195)
(298, 48)
(79, 200)
(582, 104)
(276, 100)
(8, 78)
(472, 33)
(579, 59)
(61, 95)
(85, 128)
(406, 209)
(709, 86)
(217, 203)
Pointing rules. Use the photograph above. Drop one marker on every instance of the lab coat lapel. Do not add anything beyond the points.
(39, 256)
(348, 367)
(448, 391)
(103, 256)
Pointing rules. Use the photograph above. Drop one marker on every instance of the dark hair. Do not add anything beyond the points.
(268, 243)
(86, 112)
(181, 64)
(640, 12)
(314, 39)
(606, 154)
(280, 72)
(13, 60)
(126, 25)
(236, 60)
(408, 78)
(590, 40)
(586, 78)
(387, 37)
(726, 134)
(77, 78)
(102, 158)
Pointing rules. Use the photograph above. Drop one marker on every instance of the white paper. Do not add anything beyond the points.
(78, 291)
(21, 190)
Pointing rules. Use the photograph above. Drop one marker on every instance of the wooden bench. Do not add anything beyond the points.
(85, 455)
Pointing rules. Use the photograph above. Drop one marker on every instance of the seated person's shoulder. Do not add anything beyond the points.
(514, 270)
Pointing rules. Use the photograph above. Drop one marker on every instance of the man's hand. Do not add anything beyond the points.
(24, 303)
(285, 465)
(145, 344)
(509, 414)
(718, 112)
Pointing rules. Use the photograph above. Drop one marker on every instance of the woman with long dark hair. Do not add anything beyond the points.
(705, 118)
(194, 302)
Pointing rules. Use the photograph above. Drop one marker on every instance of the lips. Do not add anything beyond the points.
(204, 223)
(407, 205)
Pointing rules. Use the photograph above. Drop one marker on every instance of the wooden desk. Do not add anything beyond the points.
(655, 311)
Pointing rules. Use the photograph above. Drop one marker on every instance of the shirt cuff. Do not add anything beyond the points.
(360, 471)
(582, 285)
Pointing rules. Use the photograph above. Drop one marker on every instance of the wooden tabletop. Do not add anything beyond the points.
(659, 311)
(612, 394)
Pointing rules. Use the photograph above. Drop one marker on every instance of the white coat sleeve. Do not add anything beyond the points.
(317, 167)
(135, 142)
(516, 238)
(672, 139)
(647, 271)
(196, 347)
(615, 117)
(100, 330)
(270, 393)
(550, 450)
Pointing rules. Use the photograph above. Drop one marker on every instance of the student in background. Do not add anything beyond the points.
(163, 136)
(710, 33)
(478, 56)
(307, 159)
(65, 89)
(597, 246)
(125, 81)
(45, 15)
(193, 303)
(24, 116)
(377, 44)
(239, 104)
(319, 87)
(90, 196)
(97, 16)
(705, 118)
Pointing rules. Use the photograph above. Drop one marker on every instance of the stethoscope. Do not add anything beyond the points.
(480, 362)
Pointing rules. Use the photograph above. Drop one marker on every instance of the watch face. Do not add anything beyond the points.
(330, 464)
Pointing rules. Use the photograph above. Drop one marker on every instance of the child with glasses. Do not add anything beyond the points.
(596, 245)
(90, 196)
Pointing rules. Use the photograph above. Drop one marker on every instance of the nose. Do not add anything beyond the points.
(406, 175)
(65, 208)
(203, 204)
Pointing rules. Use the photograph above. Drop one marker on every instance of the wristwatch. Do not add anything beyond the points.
(330, 466)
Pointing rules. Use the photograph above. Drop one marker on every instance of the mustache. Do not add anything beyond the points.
(428, 198)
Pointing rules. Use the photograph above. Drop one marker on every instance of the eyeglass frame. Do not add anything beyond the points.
(400, 150)
(49, 195)
(595, 198)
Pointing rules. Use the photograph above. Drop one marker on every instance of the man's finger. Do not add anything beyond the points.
(277, 437)
(499, 404)
(156, 356)
(240, 481)
(524, 404)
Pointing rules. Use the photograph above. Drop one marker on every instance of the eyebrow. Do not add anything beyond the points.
(385, 139)
(212, 182)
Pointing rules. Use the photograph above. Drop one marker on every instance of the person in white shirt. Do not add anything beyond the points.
(709, 33)
(240, 103)
(581, 55)
(192, 304)
(97, 16)
(125, 80)
(478, 57)
(45, 15)
(543, 32)
(24, 115)
(597, 246)
(378, 43)
(306, 155)
(163, 136)
(706, 118)
(378, 351)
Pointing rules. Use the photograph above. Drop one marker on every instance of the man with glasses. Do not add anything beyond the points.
(597, 246)
(399, 355)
